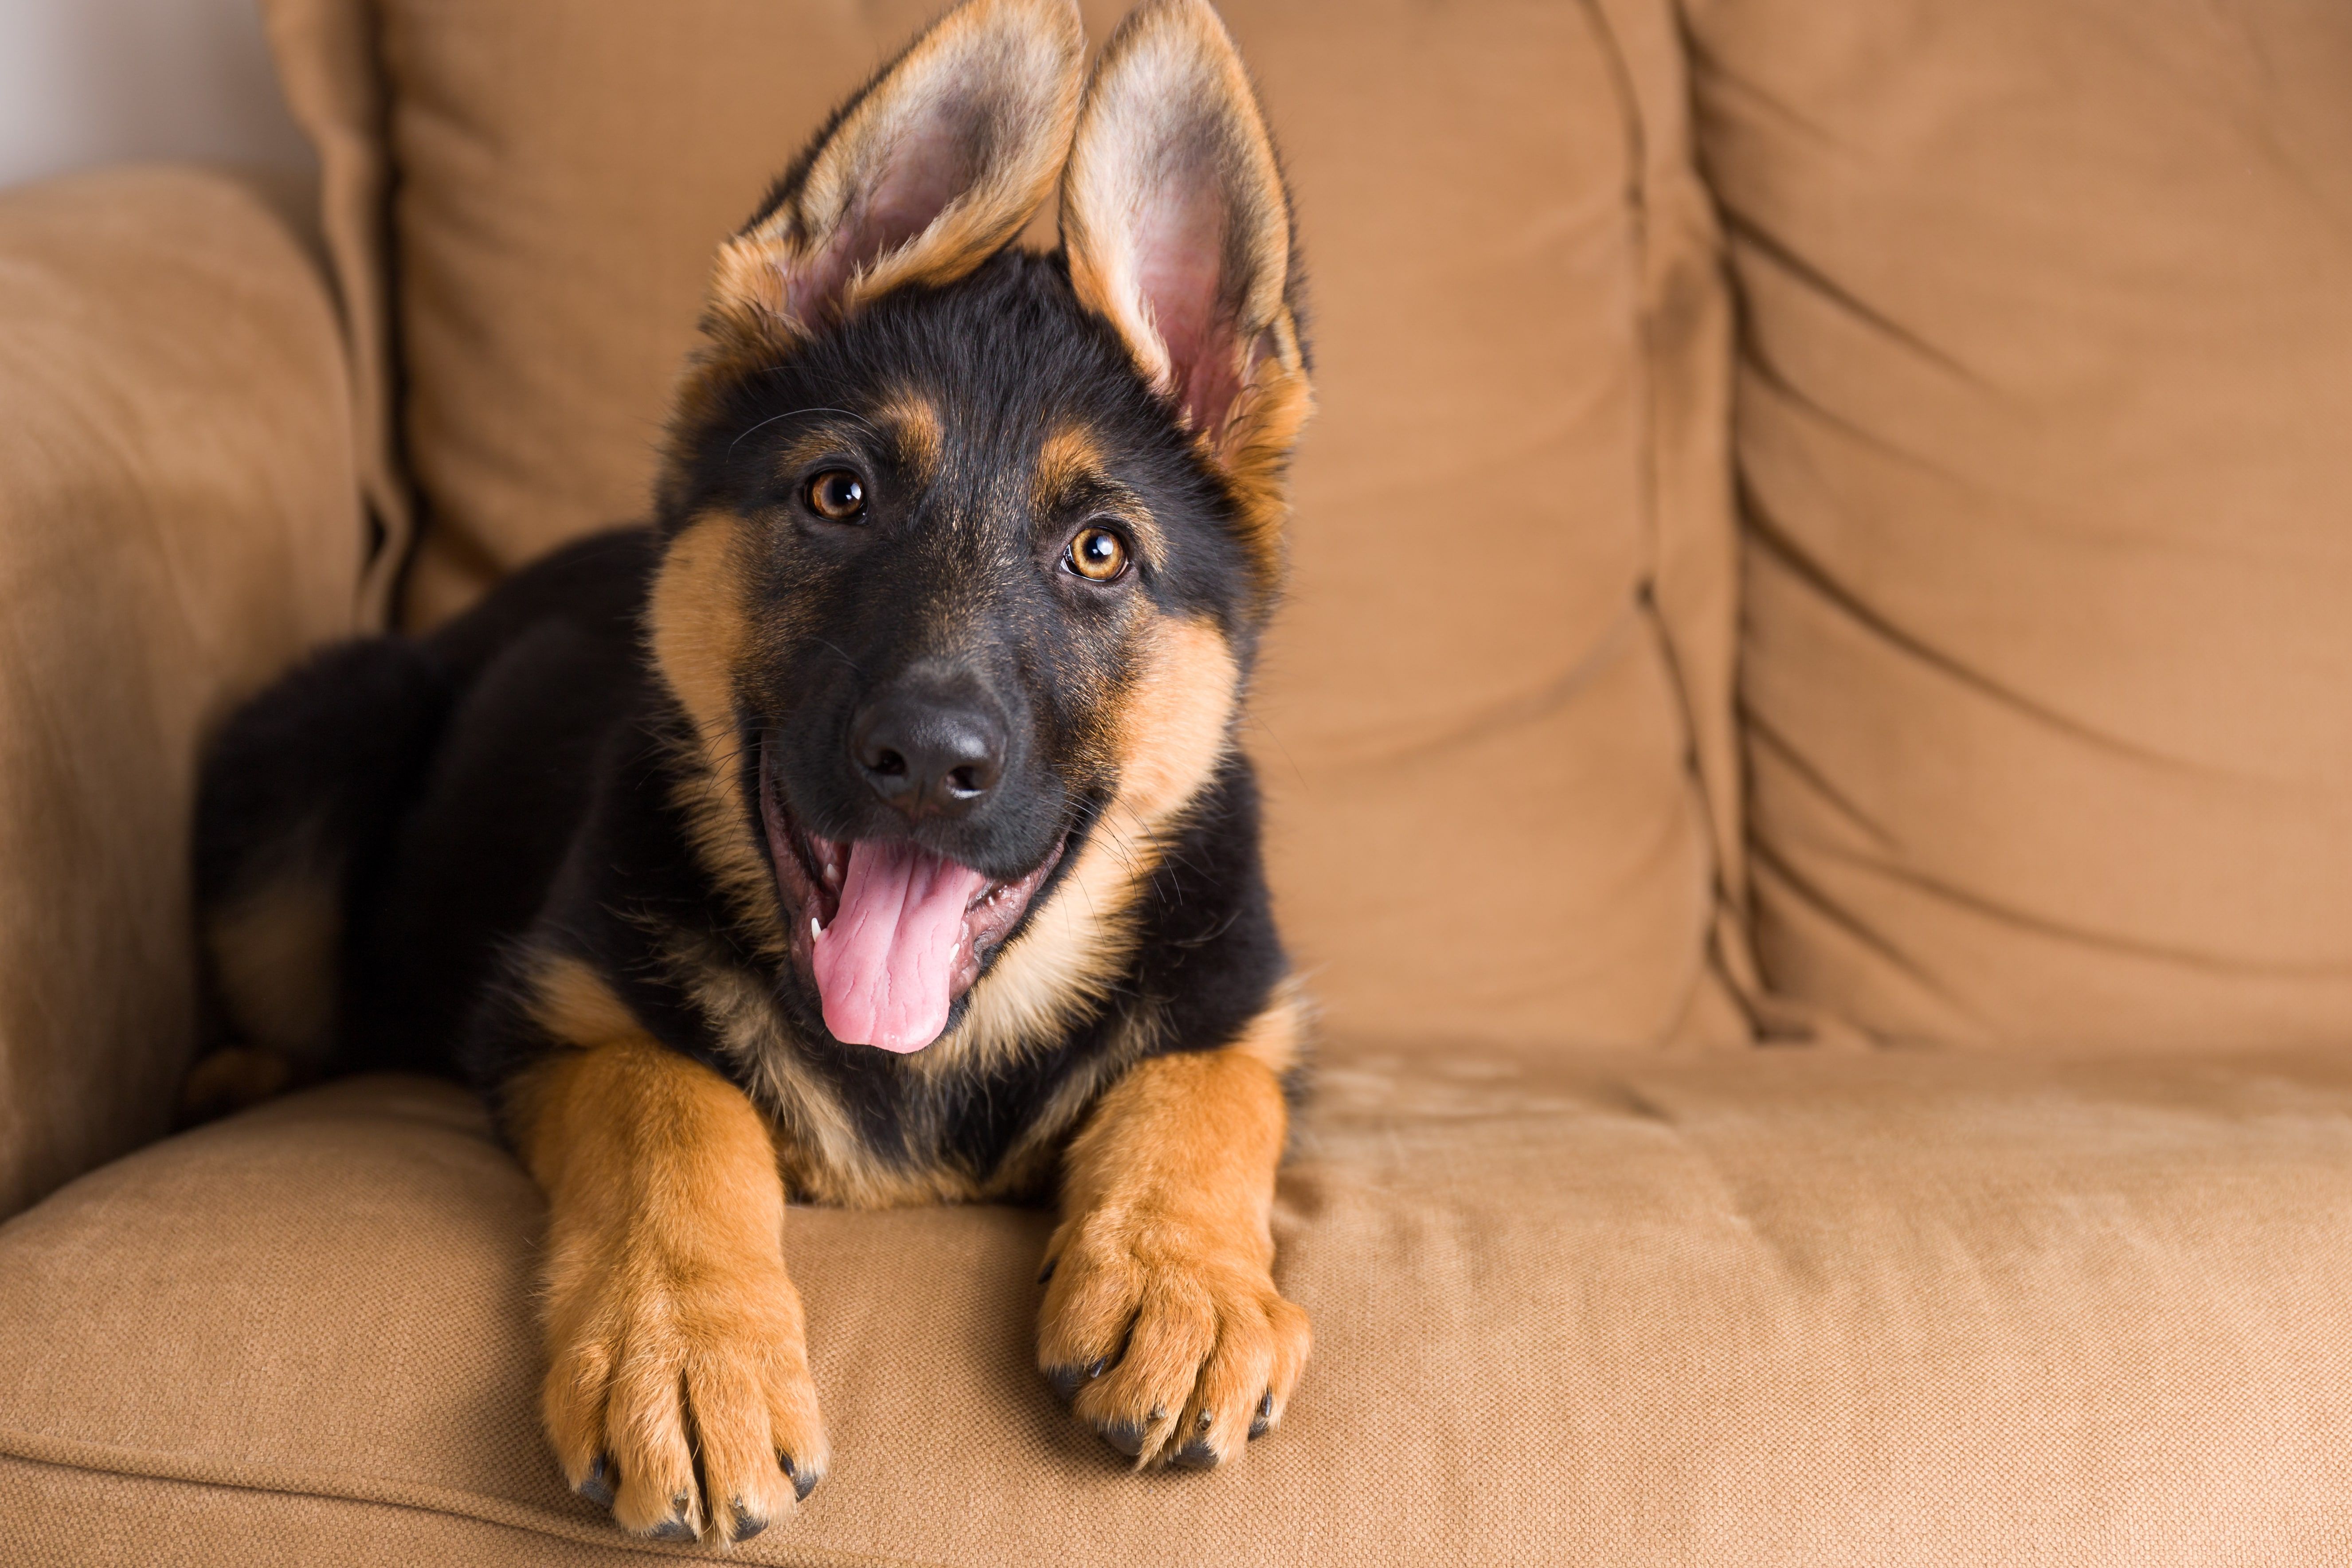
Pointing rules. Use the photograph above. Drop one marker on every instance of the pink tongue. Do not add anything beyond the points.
(884, 965)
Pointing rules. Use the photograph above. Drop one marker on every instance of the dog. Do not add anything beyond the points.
(871, 828)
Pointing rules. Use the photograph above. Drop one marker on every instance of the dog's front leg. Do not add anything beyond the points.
(675, 1336)
(1160, 1321)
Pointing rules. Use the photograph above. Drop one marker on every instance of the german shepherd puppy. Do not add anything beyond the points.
(871, 829)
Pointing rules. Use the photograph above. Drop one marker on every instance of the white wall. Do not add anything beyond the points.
(97, 81)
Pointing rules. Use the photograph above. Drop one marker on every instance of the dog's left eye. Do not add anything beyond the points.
(1096, 554)
(837, 495)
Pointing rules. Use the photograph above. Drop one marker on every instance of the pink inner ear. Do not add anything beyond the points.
(1179, 240)
(927, 167)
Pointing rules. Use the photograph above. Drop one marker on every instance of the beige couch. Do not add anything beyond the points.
(1810, 762)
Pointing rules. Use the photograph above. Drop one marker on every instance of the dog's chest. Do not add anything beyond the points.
(868, 1129)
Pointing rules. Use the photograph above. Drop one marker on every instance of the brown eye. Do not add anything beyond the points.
(836, 494)
(1097, 554)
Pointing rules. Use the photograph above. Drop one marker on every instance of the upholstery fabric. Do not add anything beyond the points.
(1512, 598)
(1764, 1308)
(2043, 416)
(176, 523)
(339, 99)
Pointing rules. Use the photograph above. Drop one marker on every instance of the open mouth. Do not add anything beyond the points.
(891, 933)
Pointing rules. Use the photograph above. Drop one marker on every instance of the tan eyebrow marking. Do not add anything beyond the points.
(809, 446)
(1067, 459)
(914, 424)
(906, 425)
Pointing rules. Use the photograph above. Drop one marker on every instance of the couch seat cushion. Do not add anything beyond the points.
(1771, 1307)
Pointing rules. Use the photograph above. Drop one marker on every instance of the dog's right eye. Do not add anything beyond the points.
(836, 495)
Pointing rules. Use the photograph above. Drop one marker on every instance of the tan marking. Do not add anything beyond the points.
(1162, 1262)
(1261, 432)
(697, 622)
(1068, 460)
(578, 1007)
(274, 949)
(700, 635)
(1170, 79)
(674, 1335)
(1176, 724)
(1022, 56)
(811, 447)
(1277, 1037)
(917, 431)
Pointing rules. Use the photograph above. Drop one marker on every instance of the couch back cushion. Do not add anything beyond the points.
(1494, 723)
(2044, 435)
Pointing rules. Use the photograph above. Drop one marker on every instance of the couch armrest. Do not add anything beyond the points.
(178, 519)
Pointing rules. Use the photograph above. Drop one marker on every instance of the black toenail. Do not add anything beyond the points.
(747, 1523)
(1066, 1380)
(1263, 1418)
(671, 1530)
(1050, 1264)
(1126, 1436)
(802, 1484)
(1195, 1455)
(1206, 1421)
(596, 1486)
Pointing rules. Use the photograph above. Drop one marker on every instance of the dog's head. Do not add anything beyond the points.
(968, 548)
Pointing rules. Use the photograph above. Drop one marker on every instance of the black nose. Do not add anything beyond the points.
(928, 753)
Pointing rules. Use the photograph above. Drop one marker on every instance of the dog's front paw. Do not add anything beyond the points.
(1171, 1341)
(680, 1397)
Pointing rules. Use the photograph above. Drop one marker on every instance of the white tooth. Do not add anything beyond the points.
(815, 931)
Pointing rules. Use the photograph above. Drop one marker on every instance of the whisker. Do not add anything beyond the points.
(838, 654)
(794, 414)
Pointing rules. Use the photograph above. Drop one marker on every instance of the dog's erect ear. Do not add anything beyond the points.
(1179, 231)
(928, 170)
